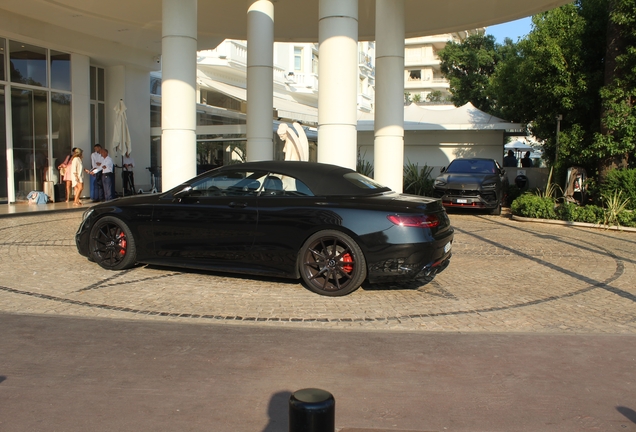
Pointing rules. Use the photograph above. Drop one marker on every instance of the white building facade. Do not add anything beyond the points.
(108, 50)
(423, 79)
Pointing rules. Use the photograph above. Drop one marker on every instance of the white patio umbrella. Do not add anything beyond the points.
(121, 134)
(517, 145)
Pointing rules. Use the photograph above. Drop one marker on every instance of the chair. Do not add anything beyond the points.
(273, 185)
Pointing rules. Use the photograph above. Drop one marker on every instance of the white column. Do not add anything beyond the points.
(260, 80)
(338, 82)
(388, 150)
(178, 88)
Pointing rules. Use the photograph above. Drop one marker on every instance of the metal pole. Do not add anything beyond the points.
(556, 154)
(312, 410)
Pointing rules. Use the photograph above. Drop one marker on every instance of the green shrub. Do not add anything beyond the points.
(620, 180)
(363, 166)
(418, 181)
(533, 206)
(627, 218)
(571, 212)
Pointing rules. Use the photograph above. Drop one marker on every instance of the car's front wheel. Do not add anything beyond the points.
(496, 210)
(332, 264)
(111, 244)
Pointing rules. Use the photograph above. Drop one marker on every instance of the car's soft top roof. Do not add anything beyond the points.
(322, 179)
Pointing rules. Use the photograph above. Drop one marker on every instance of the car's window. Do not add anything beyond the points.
(249, 183)
(229, 183)
(363, 182)
(277, 185)
(459, 166)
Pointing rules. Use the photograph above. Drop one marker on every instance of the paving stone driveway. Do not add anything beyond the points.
(505, 276)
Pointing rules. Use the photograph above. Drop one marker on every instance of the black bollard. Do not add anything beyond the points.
(312, 410)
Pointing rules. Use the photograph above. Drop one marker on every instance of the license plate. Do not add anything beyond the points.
(447, 247)
(462, 201)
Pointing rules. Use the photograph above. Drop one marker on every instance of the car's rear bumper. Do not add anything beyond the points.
(412, 261)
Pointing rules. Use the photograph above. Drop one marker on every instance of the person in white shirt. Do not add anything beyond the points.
(108, 176)
(127, 174)
(97, 188)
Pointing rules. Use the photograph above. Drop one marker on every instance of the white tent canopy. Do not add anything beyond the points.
(518, 145)
(447, 117)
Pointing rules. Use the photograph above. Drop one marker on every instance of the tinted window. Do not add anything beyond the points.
(363, 182)
(471, 166)
(229, 183)
(28, 64)
(236, 183)
(281, 185)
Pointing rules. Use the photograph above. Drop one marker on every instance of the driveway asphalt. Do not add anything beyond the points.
(530, 328)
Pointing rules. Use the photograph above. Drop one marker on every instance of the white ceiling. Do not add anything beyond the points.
(137, 23)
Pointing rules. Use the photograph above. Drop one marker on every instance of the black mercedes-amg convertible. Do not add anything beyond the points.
(330, 225)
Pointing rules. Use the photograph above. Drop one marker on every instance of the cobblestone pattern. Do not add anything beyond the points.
(505, 276)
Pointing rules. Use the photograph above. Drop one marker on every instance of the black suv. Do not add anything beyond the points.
(472, 183)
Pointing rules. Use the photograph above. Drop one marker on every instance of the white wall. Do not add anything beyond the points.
(80, 104)
(439, 148)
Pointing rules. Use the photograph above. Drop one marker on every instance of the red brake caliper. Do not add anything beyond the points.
(122, 243)
(347, 267)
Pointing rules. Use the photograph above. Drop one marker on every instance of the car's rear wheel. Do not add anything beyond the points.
(111, 244)
(332, 264)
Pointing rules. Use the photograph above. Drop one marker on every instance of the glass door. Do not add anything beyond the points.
(29, 111)
(4, 192)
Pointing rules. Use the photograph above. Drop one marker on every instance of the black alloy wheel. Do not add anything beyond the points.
(332, 264)
(111, 244)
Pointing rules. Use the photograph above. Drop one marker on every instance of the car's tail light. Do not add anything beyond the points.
(419, 221)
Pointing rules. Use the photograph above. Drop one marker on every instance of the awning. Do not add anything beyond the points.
(285, 108)
(465, 117)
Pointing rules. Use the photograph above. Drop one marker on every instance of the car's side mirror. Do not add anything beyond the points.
(442, 169)
(183, 192)
(502, 171)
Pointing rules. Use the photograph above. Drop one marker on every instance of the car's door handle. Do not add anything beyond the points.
(234, 204)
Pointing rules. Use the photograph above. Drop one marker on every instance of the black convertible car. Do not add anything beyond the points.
(472, 183)
(327, 224)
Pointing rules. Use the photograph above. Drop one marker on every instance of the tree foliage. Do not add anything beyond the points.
(468, 66)
(578, 61)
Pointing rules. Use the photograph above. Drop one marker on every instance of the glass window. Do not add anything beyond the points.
(28, 64)
(101, 123)
(60, 70)
(363, 182)
(100, 84)
(61, 126)
(229, 183)
(280, 185)
(478, 166)
(93, 78)
(155, 116)
(3, 149)
(2, 51)
(298, 59)
(155, 85)
(30, 139)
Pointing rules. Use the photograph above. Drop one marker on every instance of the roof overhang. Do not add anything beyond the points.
(137, 23)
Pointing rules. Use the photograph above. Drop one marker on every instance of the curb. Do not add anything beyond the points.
(575, 224)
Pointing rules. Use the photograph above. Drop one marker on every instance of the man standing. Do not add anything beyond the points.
(510, 160)
(108, 176)
(97, 189)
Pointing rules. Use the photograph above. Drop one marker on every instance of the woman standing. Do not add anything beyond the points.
(77, 171)
(65, 173)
